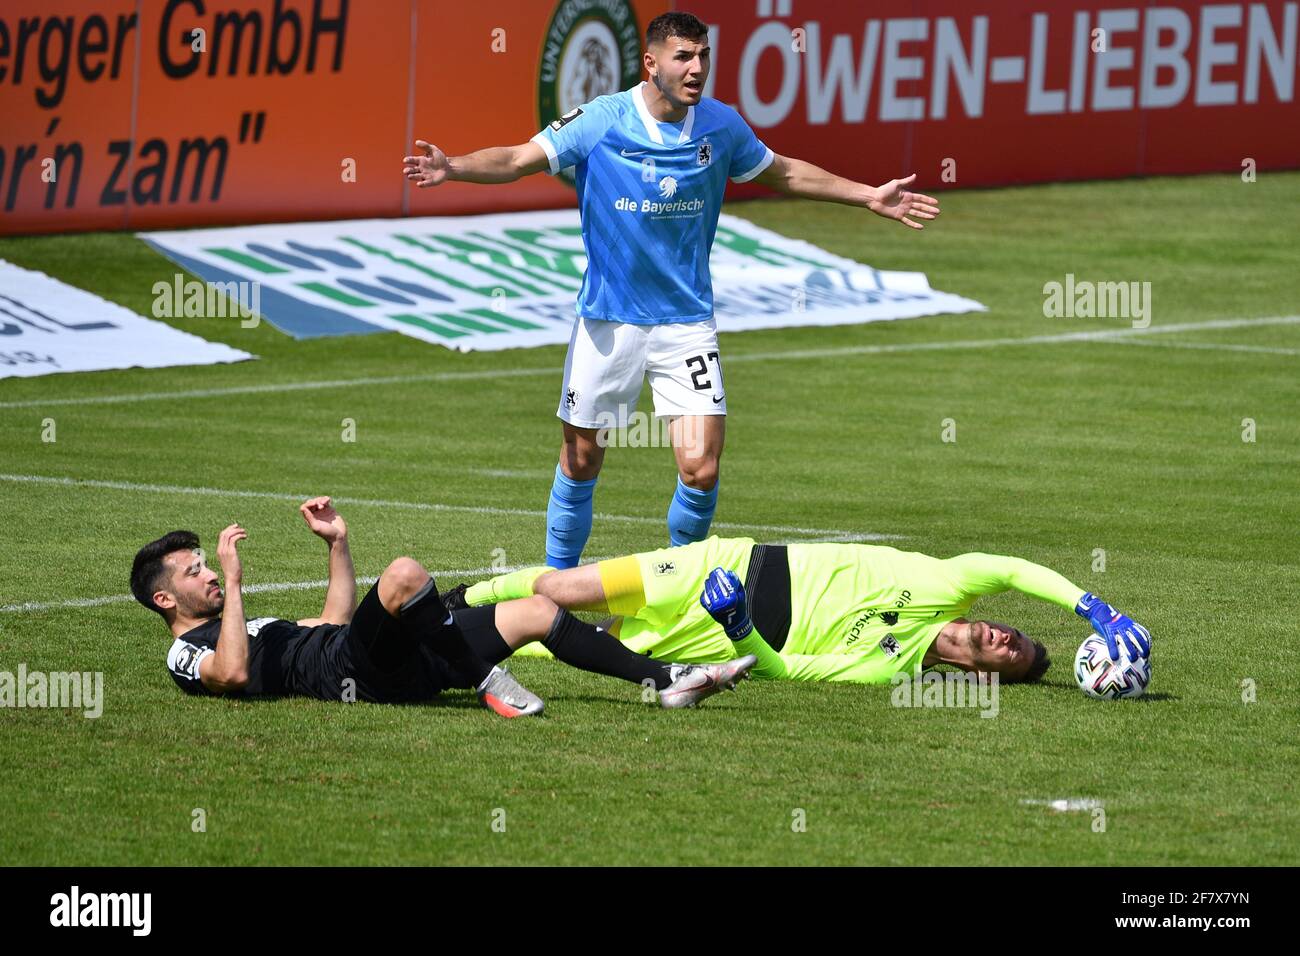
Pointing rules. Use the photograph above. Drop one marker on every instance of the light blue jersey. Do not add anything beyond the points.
(649, 194)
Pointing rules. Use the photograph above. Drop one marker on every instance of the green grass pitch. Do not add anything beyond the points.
(1131, 446)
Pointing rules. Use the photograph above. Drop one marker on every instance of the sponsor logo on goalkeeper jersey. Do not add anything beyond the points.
(889, 618)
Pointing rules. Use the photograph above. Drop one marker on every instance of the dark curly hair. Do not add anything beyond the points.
(1038, 666)
(684, 25)
(148, 573)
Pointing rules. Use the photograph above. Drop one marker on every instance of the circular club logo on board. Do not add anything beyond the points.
(591, 47)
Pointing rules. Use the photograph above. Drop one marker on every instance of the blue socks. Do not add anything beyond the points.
(568, 520)
(568, 517)
(690, 513)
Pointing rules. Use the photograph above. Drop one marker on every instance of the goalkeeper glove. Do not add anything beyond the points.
(724, 599)
(1114, 627)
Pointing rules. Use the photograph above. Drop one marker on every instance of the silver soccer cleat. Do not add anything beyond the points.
(506, 696)
(694, 682)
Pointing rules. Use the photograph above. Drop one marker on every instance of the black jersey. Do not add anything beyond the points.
(286, 658)
(283, 658)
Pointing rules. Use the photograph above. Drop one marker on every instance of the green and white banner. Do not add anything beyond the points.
(511, 280)
(48, 326)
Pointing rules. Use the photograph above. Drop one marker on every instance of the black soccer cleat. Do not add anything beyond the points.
(454, 600)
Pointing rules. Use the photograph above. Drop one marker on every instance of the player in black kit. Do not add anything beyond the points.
(399, 645)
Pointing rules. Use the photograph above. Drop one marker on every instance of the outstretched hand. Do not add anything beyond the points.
(427, 170)
(323, 520)
(1118, 630)
(893, 201)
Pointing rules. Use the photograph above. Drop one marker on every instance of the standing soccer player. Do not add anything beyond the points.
(651, 165)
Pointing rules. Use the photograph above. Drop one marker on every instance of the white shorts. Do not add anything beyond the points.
(608, 361)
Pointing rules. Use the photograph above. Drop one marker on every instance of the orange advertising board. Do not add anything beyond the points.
(160, 113)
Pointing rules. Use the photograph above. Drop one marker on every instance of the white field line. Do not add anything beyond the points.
(122, 598)
(1097, 335)
(536, 473)
(282, 387)
(363, 580)
(829, 534)
(1092, 335)
(1212, 346)
(1065, 804)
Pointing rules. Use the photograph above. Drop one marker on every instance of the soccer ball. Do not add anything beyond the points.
(1105, 679)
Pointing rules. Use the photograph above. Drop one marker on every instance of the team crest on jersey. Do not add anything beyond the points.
(664, 568)
(567, 118)
(889, 645)
(186, 661)
(704, 154)
(571, 398)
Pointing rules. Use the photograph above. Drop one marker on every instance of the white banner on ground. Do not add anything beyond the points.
(49, 326)
(510, 280)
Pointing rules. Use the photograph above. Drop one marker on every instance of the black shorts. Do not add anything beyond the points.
(395, 667)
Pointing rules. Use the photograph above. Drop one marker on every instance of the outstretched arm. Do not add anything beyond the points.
(891, 201)
(497, 164)
(976, 574)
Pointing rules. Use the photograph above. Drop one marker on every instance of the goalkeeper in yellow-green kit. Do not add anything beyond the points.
(834, 612)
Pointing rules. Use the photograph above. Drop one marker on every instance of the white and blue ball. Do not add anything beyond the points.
(1100, 677)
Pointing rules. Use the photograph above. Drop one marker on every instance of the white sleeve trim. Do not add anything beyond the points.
(173, 655)
(549, 148)
(198, 663)
(768, 158)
